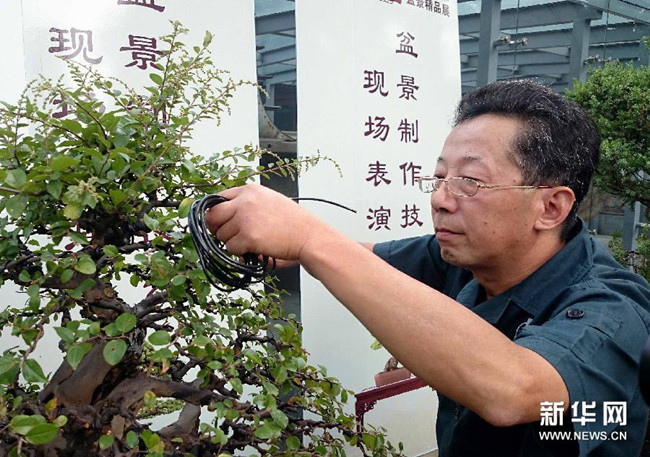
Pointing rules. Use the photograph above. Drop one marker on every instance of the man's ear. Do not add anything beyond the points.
(557, 203)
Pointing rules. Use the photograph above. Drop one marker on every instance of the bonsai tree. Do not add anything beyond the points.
(618, 98)
(96, 203)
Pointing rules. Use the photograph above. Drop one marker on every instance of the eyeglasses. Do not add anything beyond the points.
(462, 187)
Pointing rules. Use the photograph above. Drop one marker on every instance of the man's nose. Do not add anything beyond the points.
(443, 200)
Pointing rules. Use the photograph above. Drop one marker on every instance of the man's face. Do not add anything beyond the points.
(491, 227)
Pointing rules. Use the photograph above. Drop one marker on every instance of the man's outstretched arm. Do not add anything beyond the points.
(442, 342)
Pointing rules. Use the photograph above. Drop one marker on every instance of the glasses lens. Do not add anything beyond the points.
(463, 187)
(427, 185)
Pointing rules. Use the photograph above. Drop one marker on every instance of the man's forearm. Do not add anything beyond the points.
(442, 342)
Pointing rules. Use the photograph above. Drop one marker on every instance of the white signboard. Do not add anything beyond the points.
(121, 38)
(378, 81)
(12, 70)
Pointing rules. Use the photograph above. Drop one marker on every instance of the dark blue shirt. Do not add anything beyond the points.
(581, 311)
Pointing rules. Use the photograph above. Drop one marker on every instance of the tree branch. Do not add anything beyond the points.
(187, 423)
(157, 204)
(131, 390)
(78, 388)
(147, 305)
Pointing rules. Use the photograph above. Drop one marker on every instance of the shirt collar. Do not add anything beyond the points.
(566, 267)
(534, 293)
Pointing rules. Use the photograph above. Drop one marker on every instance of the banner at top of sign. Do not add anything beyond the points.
(431, 6)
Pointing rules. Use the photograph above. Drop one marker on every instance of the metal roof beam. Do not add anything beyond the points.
(522, 58)
(559, 87)
(620, 51)
(549, 69)
(277, 55)
(487, 51)
(469, 74)
(281, 77)
(275, 23)
(616, 51)
(531, 16)
(554, 38)
(626, 9)
(644, 54)
(579, 49)
(620, 32)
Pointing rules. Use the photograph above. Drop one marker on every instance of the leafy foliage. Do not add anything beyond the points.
(639, 259)
(618, 98)
(95, 203)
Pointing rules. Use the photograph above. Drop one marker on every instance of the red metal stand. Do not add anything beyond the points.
(367, 399)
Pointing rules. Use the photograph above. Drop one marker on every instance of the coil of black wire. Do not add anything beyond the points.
(223, 270)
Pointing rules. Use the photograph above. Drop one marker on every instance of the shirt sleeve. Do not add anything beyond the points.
(597, 357)
(418, 257)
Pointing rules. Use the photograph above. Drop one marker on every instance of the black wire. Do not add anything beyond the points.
(225, 271)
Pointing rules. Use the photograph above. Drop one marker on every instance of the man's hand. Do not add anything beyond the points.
(259, 220)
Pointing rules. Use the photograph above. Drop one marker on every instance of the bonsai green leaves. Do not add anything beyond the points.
(94, 234)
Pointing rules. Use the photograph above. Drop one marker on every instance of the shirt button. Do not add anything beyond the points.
(575, 313)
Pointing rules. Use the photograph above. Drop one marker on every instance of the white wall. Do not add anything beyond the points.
(12, 67)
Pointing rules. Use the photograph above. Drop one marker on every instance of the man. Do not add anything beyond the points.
(512, 312)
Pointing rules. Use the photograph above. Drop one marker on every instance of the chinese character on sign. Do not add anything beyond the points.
(615, 412)
(143, 51)
(551, 413)
(148, 3)
(379, 218)
(405, 47)
(428, 4)
(377, 174)
(63, 108)
(79, 41)
(410, 216)
(377, 128)
(407, 84)
(436, 7)
(91, 98)
(410, 2)
(410, 173)
(445, 9)
(374, 81)
(420, 3)
(409, 131)
(586, 415)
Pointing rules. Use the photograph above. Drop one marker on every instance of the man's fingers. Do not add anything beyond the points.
(226, 232)
(285, 263)
(232, 192)
(218, 215)
(236, 246)
(279, 263)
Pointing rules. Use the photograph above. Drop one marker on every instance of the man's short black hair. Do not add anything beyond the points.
(559, 144)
